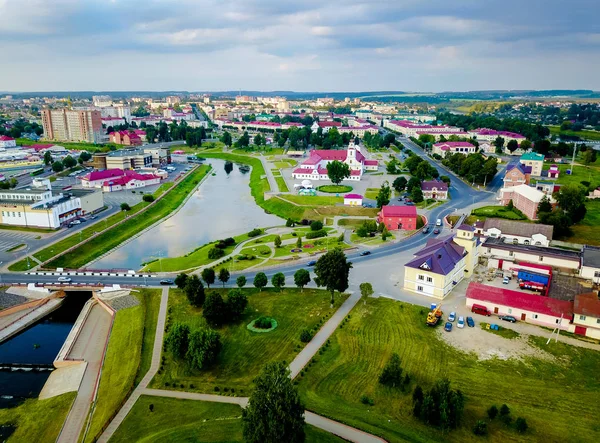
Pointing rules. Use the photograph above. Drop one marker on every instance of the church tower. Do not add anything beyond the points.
(465, 237)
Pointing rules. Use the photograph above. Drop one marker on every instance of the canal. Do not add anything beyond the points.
(221, 207)
(37, 345)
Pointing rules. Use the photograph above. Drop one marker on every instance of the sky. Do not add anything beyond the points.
(308, 45)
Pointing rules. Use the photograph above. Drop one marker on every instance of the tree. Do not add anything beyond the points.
(366, 290)
(274, 413)
(545, 205)
(203, 348)
(492, 412)
(125, 207)
(504, 410)
(214, 309)
(224, 276)
(277, 241)
(69, 162)
(332, 270)
(177, 339)
(521, 425)
(301, 278)
(499, 143)
(47, 158)
(384, 195)
(226, 138)
(441, 406)
(236, 303)
(588, 156)
(384, 233)
(241, 281)
(180, 280)
(337, 171)
(316, 225)
(526, 145)
(480, 428)
(299, 242)
(194, 290)
(400, 183)
(278, 280)
(391, 376)
(391, 166)
(260, 280)
(413, 183)
(83, 157)
(416, 195)
(57, 166)
(208, 275)
(512, 145)
(571, 199)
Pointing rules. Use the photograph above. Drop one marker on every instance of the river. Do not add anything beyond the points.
(37, 345)
(221, 207)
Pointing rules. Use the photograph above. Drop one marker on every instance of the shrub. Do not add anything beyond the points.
(492, 412)
(215, 253)
(220, 244)
(480, 428)
(305, 222)
(504, 410)
(204, 347)
(316, 225)
(366, 400)
(391, 375)
(316, 234)
(148, 198)
(289, 223)
(229, 241)
(263, 323)
(521, 425)
(151, 407)
(585, 183)
(255, 232)
(217, 389)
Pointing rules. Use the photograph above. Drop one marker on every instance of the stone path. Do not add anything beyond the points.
(341, 430)
(154, 365)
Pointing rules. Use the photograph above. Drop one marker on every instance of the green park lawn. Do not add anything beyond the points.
(556, 396)
(281, 184)
(371, 193)
(283, 164)
(335, 189)
(150, 299)
(120, 367)
(351, 222)
(498, 212)
(580, 173)
(37, 420)
(175, 420)
(584, 134)
(587, 231)
(313, 200)
(371, 241)
(244, 352)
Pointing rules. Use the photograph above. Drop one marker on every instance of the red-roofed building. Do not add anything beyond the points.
(452, 147)
(524, 306)
(398, 217)
(586, 317)
(315, 166)
(96, 179)
(7, 142)
(353, 200)
(130, 180)
(125, 138)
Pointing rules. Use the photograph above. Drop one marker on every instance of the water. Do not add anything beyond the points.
(39, 344)
(221, 207)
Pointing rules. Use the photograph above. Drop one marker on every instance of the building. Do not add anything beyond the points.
(412, 129)
(102, 100)
(518, 232)
(434, 189)
(130, 180)
(516, 175)
(547, 187)
(595, 193)
(586, 315)
(524, 306)
(525, 198)
(128, 159)
(353, 200)
(96, 179)
(442, 264)
(68, 125)
(7, 142)
(487, 147)
(502, 255)
(443, 148)
(126, 138)
(535, 161)
(398, 217)
(553, 172)
(590, 263)
(315, 167)
(161, 155)
(490, 135)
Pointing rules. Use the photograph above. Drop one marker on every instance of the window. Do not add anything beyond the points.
(538, 243)
(598, 321)
(421, 277)
(515, 241)
(596, 273)
(557, 321)
(541, 258)
(535, 316)
(509, 310)
(582, 317)
(526, 242)
(510, 253)
(420, 288)
(429, 279)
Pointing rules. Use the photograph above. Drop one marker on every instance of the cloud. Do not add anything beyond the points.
(268, 44)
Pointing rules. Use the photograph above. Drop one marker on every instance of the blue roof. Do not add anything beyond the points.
(439, 256)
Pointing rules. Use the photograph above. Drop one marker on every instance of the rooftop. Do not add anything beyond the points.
(587, 304)
(565, 254)
(438, 184)
(399, 211)
(440, 256)
(518, 228)
(590, 256)
(533, 156)
(528, 192)
(127, 153)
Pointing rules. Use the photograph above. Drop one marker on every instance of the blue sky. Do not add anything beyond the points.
(325, 45)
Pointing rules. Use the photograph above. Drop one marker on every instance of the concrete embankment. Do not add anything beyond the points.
(23, 317)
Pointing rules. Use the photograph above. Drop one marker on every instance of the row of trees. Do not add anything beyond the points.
(20, 127)
(376, 141)
(198, 347)
(473, 167)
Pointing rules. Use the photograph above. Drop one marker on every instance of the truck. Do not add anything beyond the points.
(434, 315)
(533, 286)
(535, 277)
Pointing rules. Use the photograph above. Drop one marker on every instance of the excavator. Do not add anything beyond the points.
(434, 316)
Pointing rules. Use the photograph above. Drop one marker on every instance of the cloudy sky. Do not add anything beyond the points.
(308, 45)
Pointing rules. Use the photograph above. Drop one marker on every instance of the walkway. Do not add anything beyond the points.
(154, 365)
(269, 174)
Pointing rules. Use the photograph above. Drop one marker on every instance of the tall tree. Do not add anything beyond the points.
(177, 339)
(224, 276)
(400, 183)
(384, 195)
(236, 303)
(47, 158)
(366, 290)
(301, 278)
(180, 280)
(203, 348)
(226, 138)
(214, 309)
(278, 281)
(391, 375)
(512, 145)
(208, 275)
(332, 271)
(241, 281)
(337, 171)
(274, 413)
(260, 280)
(571, 199)
(194, 290)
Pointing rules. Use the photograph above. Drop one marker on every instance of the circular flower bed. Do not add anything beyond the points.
(308, 246)
(296, 250)
(261, 321)
(335, 189)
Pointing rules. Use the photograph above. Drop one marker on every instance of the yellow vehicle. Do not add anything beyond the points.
(434, 316)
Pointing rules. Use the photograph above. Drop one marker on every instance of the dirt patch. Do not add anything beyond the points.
(565, 287)
(486, 345)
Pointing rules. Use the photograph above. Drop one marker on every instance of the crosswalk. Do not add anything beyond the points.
(10, 239)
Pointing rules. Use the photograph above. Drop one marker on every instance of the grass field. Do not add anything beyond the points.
(499, 212)
(350, 367)
(580, 173)
(587, 231)
(25, 229)
(584, 134)
(313, 200)
(175, 420)
(351, 222)
(281, 184)
(90, 147)
(371, 241)
(371, 193)
(283, 164)
(37, 420)
(106, 241)
(150, 299)
(120, 367)
(245, 352)
(335, 189)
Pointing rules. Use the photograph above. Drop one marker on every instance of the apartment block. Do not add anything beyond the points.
(68, 125)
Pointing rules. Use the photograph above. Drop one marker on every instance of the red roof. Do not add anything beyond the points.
(587, 304)
(520, 300)
(5, 138)
(399, 211)
(353, 196)
(129, 176)
(303, 171)
(103, 175)
(371, 162)
(329, 124)
(449, 145)
(40, 147)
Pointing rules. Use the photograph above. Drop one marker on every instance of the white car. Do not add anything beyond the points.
(65, 279)
(452, 316)
(460, 323)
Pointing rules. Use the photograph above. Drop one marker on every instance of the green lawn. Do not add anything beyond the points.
(371, 193)
(335, 189)
(351, 222)
(580, 173)
(120, 367)
(313, 200)
(175, 420)
(557, 397)
(371, 241)
(150, 299)
(281, 184)
(245, 352)
(37, 420)
(283, 164)
(587, 231)
(498, 212)
(106, 241)
(584, 134)
(90, 147)
(25, 229)
(502, 332)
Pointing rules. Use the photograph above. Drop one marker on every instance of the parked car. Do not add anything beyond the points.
(425, 230)
(452, 316)
(461, 322)
(438, 222)
(65, 279)
(76, 222)
(508, 318)
(448, 326)
(312, 263)
(470, 322)
(363, 253)
(93, 217)
(166, 282)
(436, 231)
(408, 199)
(409, 204)
(480, 309)
(505, 280)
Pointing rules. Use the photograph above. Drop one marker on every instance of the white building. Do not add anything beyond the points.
(517, 232)
(7, 142)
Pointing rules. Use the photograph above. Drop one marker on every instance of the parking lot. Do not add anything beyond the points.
(10, 239)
